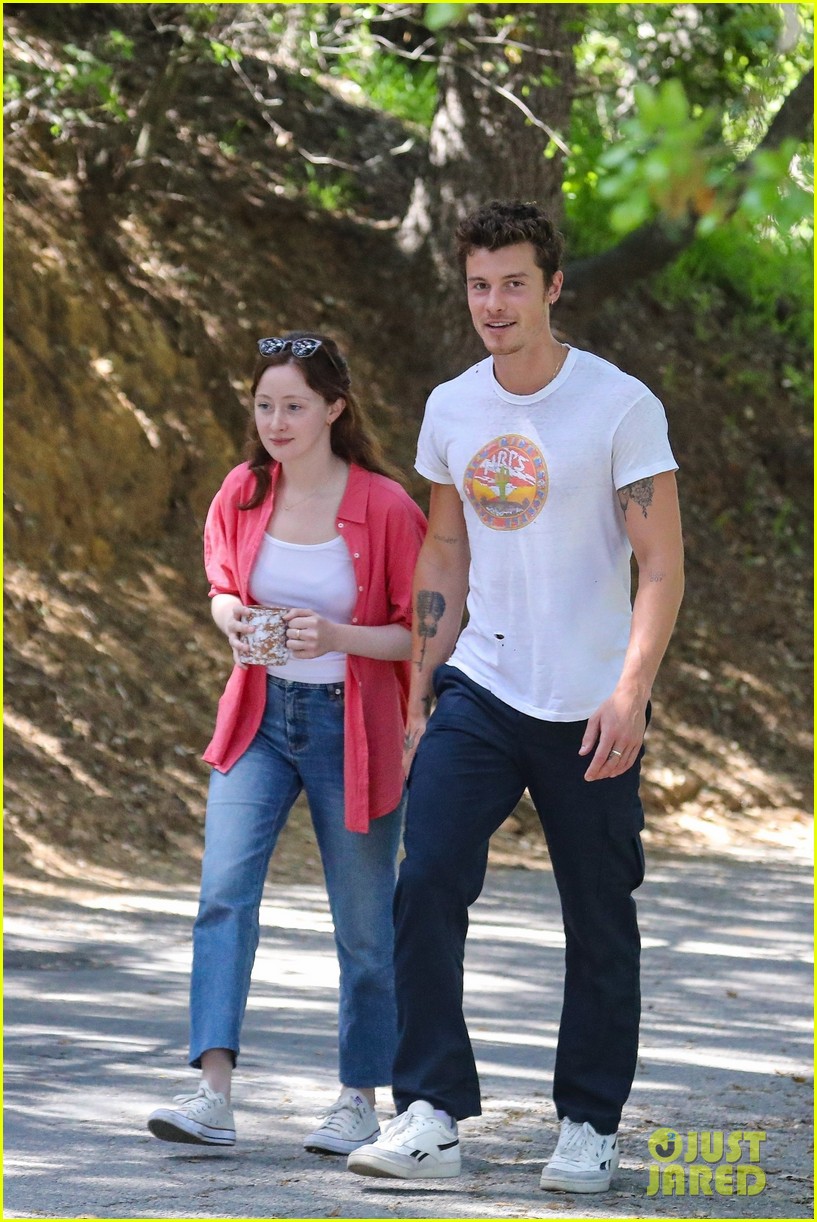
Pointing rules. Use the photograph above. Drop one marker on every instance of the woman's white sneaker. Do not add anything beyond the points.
(348, 1124)
(416, 1145)
(202, 1118)
(583, 1161)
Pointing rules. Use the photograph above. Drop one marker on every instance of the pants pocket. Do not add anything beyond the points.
(639, 864)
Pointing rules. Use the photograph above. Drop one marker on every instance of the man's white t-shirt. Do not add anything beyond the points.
(549, 599)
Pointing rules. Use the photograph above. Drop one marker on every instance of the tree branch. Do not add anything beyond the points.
(653, 246)
(794, 117)
(499, 41)
(514, 100)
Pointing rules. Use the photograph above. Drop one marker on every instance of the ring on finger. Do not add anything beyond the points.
(614, 754)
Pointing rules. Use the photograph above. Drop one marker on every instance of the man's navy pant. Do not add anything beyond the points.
(475, 760)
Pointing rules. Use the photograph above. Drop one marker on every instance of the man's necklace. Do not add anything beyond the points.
(561, 362)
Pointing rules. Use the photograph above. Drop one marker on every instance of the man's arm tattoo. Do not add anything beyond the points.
(430, 609)
(641, 492)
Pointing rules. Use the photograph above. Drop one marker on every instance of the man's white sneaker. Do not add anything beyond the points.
(348, 1124)
(416, 1145)
(202, 1118)
(584, 1160)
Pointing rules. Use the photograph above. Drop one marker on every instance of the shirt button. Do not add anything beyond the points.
(360, 588)
(354, 619)
(340, 526)
(357, 555)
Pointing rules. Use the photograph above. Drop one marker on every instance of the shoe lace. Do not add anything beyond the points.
(332, 1117)
(573, 1137)
(579, 1140)
(404, 1123)
(196, 1100)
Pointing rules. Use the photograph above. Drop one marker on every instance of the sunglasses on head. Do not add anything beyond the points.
(299, 347)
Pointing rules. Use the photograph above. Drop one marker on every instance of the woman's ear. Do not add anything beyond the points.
(335, 410)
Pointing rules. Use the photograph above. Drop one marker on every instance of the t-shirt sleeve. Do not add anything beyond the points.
(431, 460)
(641, 444)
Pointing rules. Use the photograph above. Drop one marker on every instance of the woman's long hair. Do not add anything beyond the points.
(351, 434)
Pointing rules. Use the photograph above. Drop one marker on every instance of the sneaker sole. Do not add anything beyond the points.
(168, 1130)
(598, 1181)
(572, 1186)
(337, 1145)
(384, 1169)
(563, 1183)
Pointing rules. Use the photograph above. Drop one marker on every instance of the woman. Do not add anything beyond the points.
(313, 523)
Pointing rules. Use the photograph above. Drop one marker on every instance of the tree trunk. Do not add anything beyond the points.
(486, 145)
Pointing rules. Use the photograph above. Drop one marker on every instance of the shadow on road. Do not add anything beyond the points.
(95, 1029)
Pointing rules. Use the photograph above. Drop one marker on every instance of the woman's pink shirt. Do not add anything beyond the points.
(383, 530)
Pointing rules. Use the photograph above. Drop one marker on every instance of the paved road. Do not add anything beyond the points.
(95, 1027)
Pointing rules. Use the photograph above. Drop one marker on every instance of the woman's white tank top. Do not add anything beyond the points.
(319, 576)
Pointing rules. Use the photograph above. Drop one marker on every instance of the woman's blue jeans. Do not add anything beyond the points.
(299, 745)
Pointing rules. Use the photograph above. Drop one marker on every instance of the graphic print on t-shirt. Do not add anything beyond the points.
(507, 482)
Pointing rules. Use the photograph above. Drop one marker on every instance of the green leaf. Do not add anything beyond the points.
(646, 104)
(630, 213)
(438, 16)
(672, 103)
(657, 168)
(707, 224)
(616, 156)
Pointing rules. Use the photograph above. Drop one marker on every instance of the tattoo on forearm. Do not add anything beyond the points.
(409, 741)
(427, 705)
(447, 538)
(430, 609)
(641, 492)
(657, 576)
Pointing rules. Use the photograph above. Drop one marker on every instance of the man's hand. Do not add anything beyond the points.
(653, 524)
(415, 729)
(616, 730)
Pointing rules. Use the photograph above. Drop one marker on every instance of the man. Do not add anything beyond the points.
(549, 467)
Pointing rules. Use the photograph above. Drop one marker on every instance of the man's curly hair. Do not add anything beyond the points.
(506, 223)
